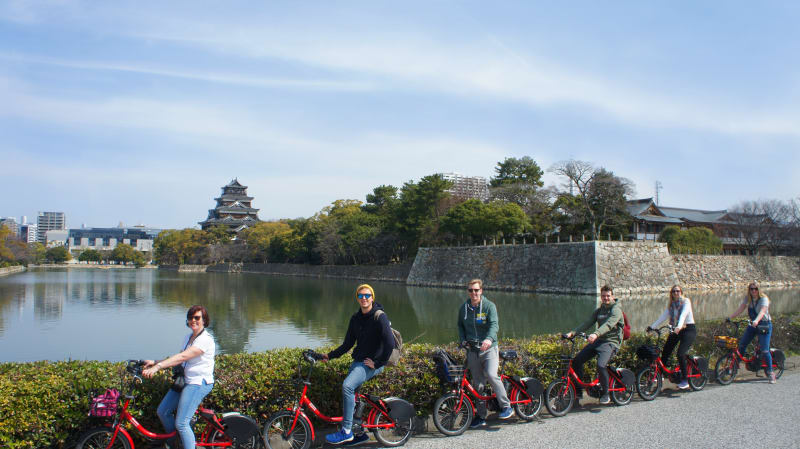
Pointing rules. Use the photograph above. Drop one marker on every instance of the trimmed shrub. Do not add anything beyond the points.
(45, 404)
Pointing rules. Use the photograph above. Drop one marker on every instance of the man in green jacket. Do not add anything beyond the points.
(478, 324)
(603, 342)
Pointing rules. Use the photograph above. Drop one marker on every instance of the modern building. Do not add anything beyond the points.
(234, 209)
(56, 237)
(106, 239)
(27, 232)
(11, 224)
(49, 221)
(468, 187)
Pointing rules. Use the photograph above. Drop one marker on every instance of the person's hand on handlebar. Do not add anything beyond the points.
(568, 335)
(591, 338)
(486, 344)
(324, 358)
(151, 368)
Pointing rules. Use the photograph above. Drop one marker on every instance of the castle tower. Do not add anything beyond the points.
(233, 209)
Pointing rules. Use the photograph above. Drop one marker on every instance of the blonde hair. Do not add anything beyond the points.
(760, 293)
(669, 301)
(475, 281)
(368, 287)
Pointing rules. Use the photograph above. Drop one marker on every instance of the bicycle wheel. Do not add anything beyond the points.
(392, 436)
(559, 397)
(526, 411)
(697, 383)
(281, 422)
(448, 418)
(778, 369)
(648, 383)
(99, 437)
(726, 369)
(622, 397)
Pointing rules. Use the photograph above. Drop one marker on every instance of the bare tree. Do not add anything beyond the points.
(601, 194)
(763, 225)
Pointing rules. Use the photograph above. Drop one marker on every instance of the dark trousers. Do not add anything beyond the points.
(604, 350)
(685, 338)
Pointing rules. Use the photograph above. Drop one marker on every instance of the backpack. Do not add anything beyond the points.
(394, 358)
(626, 327)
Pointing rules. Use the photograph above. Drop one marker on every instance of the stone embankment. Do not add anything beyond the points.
(11, 270)
(584, 267)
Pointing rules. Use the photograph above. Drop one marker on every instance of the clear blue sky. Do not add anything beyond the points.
(140, 111)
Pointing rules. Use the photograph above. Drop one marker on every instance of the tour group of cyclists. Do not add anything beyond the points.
(477, 319)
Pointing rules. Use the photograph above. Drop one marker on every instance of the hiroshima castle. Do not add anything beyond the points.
(233, 209)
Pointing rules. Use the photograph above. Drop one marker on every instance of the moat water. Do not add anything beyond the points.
(60, 314)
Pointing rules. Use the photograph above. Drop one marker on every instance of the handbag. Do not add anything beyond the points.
(178, 381)
(763, 328)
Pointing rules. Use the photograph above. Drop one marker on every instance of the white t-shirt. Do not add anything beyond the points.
(759, 303)
(201, 367)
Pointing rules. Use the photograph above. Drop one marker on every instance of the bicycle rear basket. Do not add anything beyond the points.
(725, 342)
(647, 352)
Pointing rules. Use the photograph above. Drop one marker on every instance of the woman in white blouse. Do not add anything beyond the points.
(681, 318)
(197, 359)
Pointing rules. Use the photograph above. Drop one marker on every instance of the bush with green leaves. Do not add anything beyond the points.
(692, 240)
(45, 404)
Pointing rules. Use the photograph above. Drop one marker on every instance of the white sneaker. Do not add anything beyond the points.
(683, 385)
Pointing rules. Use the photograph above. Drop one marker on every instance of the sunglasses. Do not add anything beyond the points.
(753, 288)
(195, 318)
(676, 291)
(473, 290)
(364, 295)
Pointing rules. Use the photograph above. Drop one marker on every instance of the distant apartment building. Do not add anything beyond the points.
(106, 239)
(11, 224)
(27, 232)
(468, 187)
(49, 221)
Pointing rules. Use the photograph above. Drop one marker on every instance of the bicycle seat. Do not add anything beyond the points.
(508, 355)
(206, 413)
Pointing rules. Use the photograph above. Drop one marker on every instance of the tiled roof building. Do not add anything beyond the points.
(233, 209)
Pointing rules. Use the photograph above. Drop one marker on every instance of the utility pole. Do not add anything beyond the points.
(658, 189)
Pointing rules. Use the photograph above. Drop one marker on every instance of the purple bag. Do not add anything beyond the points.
(105, 405)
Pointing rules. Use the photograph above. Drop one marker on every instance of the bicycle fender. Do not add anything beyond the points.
(627, 377)
(533, 387)
(399, 408)
(239, 427)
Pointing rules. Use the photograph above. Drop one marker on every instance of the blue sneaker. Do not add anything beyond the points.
(477, 422)
(506, 413)
(358, 439)
(339, 437)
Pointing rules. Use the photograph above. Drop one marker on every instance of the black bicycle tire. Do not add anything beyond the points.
(437, 418)
(120, 442)
(520, 409)
(570, 393)
(659, 383)
(302, 423)
(724, 380)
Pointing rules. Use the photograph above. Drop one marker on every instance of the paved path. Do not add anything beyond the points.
(747, 413)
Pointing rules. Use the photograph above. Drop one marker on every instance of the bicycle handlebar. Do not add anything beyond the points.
(579, 334)
(658, 330)
(312, 356)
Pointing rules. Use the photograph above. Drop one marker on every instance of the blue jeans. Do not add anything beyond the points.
(763, 343)
(359, 373)
(184, 405)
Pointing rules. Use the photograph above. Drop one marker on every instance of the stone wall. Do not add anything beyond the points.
(556, 267)
(184, 268)
(390, 273)
(11, 270)
(634, 267)
(710, 272)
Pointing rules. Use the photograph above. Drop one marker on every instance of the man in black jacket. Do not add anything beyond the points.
(374, 343)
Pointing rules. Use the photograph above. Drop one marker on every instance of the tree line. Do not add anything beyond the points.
(393, 222)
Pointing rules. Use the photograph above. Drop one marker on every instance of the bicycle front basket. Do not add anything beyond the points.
(647, 353)
(105, 405)
(725, 342)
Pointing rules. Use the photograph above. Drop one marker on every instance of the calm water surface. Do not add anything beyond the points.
(123, 314)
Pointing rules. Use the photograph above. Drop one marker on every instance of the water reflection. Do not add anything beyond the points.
(118, 314)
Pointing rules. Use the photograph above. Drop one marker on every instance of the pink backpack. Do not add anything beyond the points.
(105, 405)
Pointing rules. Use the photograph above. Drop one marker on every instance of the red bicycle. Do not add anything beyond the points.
(560, 394)
(231, 430)
(389, 419)
(649, 379)
(453, 412)
(727, 366)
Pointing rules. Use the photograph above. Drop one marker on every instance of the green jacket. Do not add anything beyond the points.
(609, 323)
(478, 323)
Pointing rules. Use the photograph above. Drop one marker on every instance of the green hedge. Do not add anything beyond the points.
(44, 404)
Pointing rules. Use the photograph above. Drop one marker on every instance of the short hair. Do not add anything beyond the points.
(203, 311)
(607, 288)
(475, 281)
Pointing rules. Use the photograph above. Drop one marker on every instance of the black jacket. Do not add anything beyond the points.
(373, 338)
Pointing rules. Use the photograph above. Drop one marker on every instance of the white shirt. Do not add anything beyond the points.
(201, 367)
(686, 314)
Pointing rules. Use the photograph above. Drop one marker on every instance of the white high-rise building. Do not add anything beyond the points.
(49, 221)
(468, 186)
